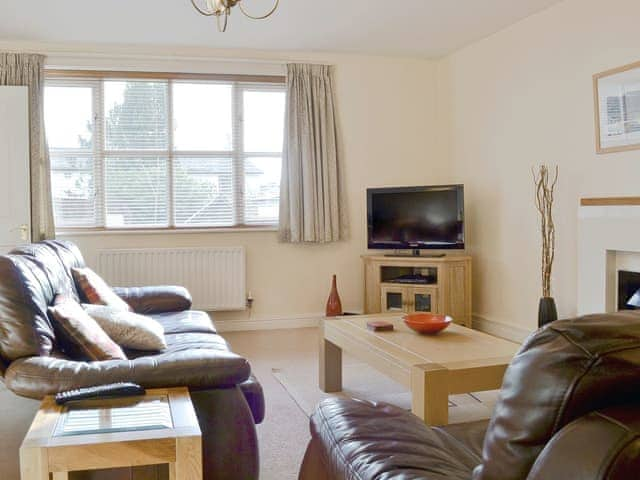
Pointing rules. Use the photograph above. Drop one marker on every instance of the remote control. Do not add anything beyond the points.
(100, 391)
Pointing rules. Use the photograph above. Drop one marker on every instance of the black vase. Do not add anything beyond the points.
(547, 312)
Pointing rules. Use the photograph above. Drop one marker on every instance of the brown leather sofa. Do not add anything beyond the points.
(227, 399)
(569, 409)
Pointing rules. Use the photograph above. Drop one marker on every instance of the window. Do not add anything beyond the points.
(164, 152)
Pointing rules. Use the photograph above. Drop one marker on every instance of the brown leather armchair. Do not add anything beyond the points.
(227, 399)
(569, 408)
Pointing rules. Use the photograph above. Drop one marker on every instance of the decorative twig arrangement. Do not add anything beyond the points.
(545, 186)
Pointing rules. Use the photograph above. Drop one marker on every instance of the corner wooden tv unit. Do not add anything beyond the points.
(447, 289)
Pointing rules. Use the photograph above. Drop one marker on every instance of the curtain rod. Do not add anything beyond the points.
(278, 61)
(138, 74)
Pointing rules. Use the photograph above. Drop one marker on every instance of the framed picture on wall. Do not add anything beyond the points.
(617, 107)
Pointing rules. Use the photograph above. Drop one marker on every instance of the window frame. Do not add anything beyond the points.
(239, 84)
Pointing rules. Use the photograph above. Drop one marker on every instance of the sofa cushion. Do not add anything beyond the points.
(181, 342)
(562, 372)
(93, 289)
(25, 294)
(30, 277)
(190, 321)
(364, 440)
(80, 335)
(612, 451)
(128, 329)
(69, 254)
(194, 360)
(56, 273)
(471, 434)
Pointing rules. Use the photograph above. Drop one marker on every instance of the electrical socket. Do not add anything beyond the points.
(249, 301)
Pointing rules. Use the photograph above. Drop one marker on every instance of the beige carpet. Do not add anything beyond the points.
(284, 434)
(286, 362)
(363, 382)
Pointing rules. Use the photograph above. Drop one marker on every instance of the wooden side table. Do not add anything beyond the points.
(158, 428)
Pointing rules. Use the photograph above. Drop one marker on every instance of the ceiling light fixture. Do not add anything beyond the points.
(221, 9)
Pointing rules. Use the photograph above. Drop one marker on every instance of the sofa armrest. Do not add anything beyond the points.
(161, 299)
(35, 377)
(600, 445)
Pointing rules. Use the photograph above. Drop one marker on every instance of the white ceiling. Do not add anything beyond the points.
(424, 28)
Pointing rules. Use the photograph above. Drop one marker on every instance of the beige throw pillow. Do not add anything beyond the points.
(128, 329)
(79, 335)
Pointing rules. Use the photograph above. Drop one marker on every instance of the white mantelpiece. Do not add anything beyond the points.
(608, 240)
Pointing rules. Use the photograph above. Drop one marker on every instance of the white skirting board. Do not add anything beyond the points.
(498, 329)
(515, 334)
(268, 323)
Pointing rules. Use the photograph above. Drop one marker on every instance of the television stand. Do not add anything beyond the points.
(407, 283)
(416, 253)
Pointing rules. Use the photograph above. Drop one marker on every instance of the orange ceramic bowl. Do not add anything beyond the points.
(427, 322)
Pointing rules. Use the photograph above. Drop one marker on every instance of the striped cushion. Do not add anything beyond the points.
(80, 335)
(93, 289)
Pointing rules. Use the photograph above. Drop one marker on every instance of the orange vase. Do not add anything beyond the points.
(334, 305)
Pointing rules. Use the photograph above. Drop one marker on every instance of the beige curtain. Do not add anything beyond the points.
(311, 201)
(17, 69)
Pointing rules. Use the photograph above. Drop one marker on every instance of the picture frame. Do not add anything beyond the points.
(617, 109)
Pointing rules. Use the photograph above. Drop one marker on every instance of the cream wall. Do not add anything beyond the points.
(387, 114)
(481, 116)
(520, 98)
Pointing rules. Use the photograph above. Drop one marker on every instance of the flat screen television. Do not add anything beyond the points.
(430, 218)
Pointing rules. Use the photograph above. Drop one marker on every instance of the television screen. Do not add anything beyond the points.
(416, 217)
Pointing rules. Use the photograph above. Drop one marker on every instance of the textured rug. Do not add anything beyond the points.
(361, 381)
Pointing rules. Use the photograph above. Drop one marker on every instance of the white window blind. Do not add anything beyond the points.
(164, 152)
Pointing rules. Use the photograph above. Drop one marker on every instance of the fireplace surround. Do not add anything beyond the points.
(608, 242)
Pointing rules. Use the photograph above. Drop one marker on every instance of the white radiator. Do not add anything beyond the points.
(215, 277)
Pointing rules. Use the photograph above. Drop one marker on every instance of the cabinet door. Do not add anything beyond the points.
(394, 299)
(423, 299)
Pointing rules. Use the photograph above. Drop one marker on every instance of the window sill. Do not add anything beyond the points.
(162, 231)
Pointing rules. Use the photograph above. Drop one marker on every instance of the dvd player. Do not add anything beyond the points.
(415, 279)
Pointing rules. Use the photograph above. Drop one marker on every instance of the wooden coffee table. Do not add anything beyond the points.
(158, 428)
(457, 360)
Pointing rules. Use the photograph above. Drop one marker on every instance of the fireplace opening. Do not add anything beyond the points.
(628, 290)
